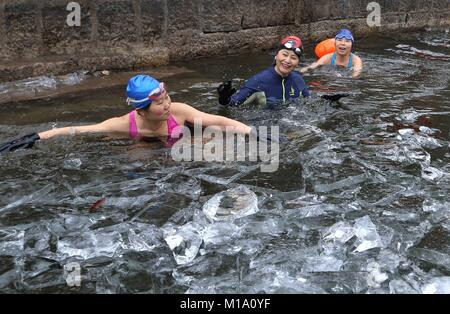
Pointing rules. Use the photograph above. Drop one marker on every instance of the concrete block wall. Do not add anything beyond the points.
(127, 34)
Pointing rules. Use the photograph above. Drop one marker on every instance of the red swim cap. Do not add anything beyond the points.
(292, 43)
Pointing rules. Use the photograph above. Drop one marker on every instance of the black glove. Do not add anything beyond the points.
(225, 91)
(26, 141)
(334, 97)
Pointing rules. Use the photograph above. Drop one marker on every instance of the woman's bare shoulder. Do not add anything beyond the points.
(179, 107)
(120, 123)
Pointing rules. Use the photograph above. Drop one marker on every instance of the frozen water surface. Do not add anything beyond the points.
(359, 203)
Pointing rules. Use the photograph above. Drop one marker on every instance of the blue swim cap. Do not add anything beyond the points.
(345, 33)
(138, 90)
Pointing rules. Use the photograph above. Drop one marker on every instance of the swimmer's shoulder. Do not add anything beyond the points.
(326, 59)
(179, 110)
(116, 124)
(357, 61)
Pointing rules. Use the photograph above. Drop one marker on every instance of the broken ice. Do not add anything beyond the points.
(231, 204)
(184, 242)
(367, 234)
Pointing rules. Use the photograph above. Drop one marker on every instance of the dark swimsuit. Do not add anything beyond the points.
(350, 61)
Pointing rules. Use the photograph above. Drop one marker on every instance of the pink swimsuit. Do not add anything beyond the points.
(174, 133)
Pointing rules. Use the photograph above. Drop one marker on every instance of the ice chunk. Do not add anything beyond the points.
(431, 256)
(39, 194)
(180, 184)
(426, 141)
(12, 244)
(8, 278)
(322, 264)
(344, 183)
(269, 226)
(399, 286)
(432, 174)
(73, 78)
(390, 261)
(184, 241)
(77, 222)
(405, 154)
(90, 244)
(412, 115)
(315, 210)
(433, 206)
(269, 279)
(375, 277)
(406, 132)
(220, 233)
(231, 204)
(72, 164)
(37, 238)
(427, 130)
(439, 285)
(307, 199)
(339, 232)
(143, 238)
(367, 234)
(250, 247)
(39, 82)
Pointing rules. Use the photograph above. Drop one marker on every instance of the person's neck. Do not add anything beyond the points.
(276, 70)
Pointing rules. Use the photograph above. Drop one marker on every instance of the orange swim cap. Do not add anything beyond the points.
(325, 47)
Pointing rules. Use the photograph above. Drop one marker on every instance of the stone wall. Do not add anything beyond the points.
(128, 34)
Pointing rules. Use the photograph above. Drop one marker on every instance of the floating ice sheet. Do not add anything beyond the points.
(340, 232)
(231, 204)
(322, 264)
(12, 244)
(220, 233)
(367, 234)
(344, 183)
(90, 244)
(439, 285)
(184, 241)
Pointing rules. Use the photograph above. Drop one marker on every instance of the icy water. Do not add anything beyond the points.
(360, 202)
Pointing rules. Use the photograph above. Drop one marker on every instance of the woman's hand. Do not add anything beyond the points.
(26, 141)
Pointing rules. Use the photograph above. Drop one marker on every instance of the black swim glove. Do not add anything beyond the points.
(335, 97)
(225, 90)
(26, 141)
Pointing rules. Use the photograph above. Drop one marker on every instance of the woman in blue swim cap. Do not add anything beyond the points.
(342, 56)
(154, 115)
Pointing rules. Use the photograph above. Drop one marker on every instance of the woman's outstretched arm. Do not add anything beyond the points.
(119, 124)
(192, 115)
(110, 125)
